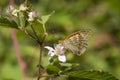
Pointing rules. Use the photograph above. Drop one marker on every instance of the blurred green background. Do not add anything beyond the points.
(101, 16)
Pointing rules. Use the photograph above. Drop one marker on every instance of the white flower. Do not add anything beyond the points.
(32, 15)
(59, 51)
(15, 12)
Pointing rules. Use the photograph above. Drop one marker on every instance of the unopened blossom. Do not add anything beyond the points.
(59, 51)
(10, 8)
(23, 7)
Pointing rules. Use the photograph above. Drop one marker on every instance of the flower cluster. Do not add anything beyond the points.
(59, 51)
(31, 14)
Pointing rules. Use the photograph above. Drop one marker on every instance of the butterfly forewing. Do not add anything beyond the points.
(77, 42)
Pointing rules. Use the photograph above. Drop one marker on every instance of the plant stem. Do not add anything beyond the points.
(40, 61)
(45, 30)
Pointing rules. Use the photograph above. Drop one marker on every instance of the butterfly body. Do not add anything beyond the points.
(76, 42)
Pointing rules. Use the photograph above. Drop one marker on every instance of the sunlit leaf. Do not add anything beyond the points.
(46, 17)
(92, 75)
(66, 64)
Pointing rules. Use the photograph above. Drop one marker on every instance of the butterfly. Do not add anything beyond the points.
(76, 42)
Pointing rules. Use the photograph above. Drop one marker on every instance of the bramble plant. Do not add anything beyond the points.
(28, 21)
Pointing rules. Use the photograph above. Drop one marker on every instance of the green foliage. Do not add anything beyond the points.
(60, 78)
(22, 19)
(36, 30)
(27, 22)
(5, 22)
(91, 75)
(45, 18)
(66, 71)
(51, 69)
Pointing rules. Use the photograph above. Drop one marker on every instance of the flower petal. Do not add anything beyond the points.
(49, 48)
(62, 58)
(59, 46)
(51, 53)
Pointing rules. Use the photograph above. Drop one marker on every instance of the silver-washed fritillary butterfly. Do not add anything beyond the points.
(76, 42)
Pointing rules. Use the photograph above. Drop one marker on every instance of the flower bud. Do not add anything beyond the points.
(9, 9)
(23, 7)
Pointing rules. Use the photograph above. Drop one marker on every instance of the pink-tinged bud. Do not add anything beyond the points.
(9, 9)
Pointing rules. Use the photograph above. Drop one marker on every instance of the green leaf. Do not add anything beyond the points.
(66, 64)
(60, 78)
(36, 30)
(22, 17)
(27, 4)
(5, 22)
(66, 67)
(14, 24)
(51, 69)
(46, 17)
(92, 75)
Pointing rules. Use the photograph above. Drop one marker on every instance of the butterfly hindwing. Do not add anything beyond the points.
(77, 42)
